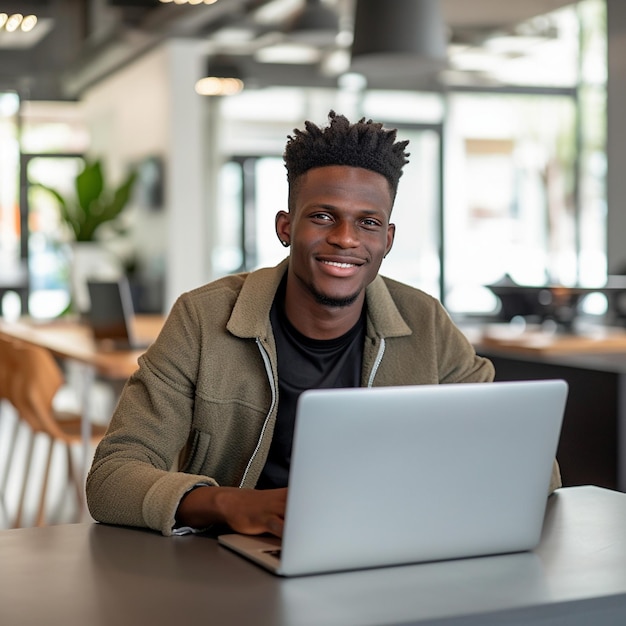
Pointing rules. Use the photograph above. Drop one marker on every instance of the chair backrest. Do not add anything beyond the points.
(6, 348)
(34, 378)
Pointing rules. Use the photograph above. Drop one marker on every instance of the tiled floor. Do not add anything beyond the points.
(15, 437)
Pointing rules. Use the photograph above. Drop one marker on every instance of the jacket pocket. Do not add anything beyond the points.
(197, 451)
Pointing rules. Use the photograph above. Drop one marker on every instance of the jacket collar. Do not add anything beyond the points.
(382, 312)
(250, 315)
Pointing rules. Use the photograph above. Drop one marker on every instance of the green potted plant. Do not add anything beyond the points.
(94, 203)
(83, 213)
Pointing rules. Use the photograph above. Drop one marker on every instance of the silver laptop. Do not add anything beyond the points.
(397, 475)
(111, 314)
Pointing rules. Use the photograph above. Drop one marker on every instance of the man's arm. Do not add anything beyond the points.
(458, 361)
(131, 481)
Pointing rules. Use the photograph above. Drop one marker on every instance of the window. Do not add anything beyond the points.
(510, 194)
(506, 174)
(53, 139)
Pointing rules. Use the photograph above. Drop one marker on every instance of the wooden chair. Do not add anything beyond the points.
(34, 378)
(5, 346)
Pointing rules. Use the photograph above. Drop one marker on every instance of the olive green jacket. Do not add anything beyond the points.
(201, 407)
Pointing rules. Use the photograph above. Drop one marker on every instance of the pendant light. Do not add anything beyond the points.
(402, 37)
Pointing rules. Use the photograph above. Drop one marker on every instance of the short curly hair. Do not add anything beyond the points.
(363, 144)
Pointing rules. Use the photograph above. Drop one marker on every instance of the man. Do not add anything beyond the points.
(215, 395)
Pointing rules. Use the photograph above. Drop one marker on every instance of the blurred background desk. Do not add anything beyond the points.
(71, 339)
(101, 575)
(592, 448)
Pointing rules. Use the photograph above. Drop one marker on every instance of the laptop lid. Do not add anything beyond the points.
(111, 312)
(396, 475)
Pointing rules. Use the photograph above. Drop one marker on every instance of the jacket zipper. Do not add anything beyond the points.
(270, 377)
(379, 358)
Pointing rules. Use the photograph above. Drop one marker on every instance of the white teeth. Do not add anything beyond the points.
(344, 265)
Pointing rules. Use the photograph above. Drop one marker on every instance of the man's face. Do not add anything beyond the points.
(339, 232)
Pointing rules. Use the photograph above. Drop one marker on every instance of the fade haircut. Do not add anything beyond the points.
(363, 144)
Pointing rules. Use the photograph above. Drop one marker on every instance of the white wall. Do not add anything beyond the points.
(150, 109)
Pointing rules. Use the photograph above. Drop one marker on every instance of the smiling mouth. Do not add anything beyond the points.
(342, 265)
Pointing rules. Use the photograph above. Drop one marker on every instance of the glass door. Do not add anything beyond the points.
(48, 251)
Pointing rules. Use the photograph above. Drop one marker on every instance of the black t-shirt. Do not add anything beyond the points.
(305, 363)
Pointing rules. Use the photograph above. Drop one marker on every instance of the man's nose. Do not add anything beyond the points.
(344, 234)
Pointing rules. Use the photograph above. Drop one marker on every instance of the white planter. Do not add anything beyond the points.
(90, 260)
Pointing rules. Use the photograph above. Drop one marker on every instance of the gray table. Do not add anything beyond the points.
(91, 574)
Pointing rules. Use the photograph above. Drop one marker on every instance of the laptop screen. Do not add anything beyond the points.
(111, 310)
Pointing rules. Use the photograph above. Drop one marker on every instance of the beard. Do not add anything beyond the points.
(329, 301)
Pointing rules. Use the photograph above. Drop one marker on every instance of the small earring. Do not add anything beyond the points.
(285, 243)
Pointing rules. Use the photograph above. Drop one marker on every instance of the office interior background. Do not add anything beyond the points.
(512, 146)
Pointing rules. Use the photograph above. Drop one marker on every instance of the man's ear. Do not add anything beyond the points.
(283, 227)
(391, 234)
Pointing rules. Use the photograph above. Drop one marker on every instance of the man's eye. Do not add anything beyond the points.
(321, 216)
(371, 223)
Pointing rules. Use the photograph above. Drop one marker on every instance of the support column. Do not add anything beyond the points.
(616, 136)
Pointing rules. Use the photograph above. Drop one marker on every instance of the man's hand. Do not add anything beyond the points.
(247, 511)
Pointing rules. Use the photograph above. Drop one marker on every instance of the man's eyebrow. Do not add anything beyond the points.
(336, 209)
(323, 205)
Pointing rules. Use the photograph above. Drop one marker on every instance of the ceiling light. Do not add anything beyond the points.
(22, 31)
(406, 37)
(188, 1)
(291, 53)
(13, 23)
(28, 23)
(218, 86)
(223, 79)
